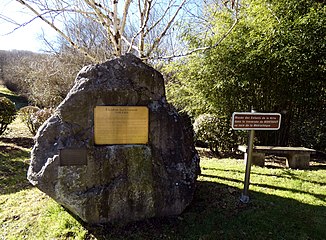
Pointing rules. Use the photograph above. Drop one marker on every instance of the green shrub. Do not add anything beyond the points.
(216, 132)
(34, 117)
(7, 113)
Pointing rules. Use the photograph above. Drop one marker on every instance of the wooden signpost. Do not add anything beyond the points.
(253, 121)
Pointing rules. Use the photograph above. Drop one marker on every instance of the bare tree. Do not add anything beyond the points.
(137, 26)
(112, 17)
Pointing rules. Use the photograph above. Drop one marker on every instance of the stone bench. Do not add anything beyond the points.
(297, 157)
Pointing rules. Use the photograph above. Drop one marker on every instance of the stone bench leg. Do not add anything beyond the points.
(298, 161)
(258, 159)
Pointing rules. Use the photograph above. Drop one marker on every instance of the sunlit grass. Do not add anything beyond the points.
(30, 214)
(284, 204)
(18, 129)
(26, 212)
(6, 91)
(304, 185)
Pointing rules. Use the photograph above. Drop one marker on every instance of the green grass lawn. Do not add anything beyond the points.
(285, 203)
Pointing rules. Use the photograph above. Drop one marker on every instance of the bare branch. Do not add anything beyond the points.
(160, 19)
(205, 48)
(159, 38)
(39, 15)
(131, 45)
(139, 26)
(124, 15)
(144, 16)
(106, 20)
(20, 25)
(48, 44)
(116, 26)
(9, 20)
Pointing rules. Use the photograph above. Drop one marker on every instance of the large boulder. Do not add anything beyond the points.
(116, 182)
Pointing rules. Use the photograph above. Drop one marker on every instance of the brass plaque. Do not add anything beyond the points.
(73, 156)
(120, 125)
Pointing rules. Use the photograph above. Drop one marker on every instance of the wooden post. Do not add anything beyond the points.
(253, 121)
(245, 196)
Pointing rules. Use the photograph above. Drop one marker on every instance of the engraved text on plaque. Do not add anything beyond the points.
(121, 125)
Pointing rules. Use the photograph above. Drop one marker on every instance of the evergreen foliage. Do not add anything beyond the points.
(7, 113)
(273, 61)
(216, 132)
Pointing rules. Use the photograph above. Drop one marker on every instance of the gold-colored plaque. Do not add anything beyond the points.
(120, 125)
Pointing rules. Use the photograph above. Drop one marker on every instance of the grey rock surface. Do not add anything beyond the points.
(116, 183)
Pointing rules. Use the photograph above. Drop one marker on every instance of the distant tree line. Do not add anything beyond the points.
(44, 79)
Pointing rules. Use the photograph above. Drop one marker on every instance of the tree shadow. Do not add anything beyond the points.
(206, 152)
(322, 197)
(24, 142)
(19, 101)
(14, 163)
(318, 163)
(286, 173)
(315, 163)
(217, 213)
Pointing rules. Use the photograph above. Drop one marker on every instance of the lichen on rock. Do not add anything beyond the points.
(116, 182)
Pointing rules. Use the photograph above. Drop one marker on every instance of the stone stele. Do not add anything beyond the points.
(116, 183)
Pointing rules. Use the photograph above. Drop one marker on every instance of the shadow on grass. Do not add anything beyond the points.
(287, 173)
(268, 186)
(24, 142)
(14, 163)
(217, 213)
(316, 167)
(18, 100)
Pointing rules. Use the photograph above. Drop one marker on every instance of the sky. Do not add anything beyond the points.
(24, 38)
(27, 37)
